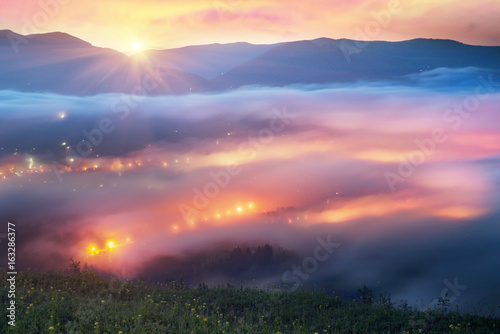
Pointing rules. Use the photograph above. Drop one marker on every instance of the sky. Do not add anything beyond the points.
(404, 179)
(133, 25)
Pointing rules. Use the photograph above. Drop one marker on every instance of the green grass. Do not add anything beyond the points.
(89, 303)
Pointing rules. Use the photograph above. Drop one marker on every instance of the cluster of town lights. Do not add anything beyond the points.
(109, 245)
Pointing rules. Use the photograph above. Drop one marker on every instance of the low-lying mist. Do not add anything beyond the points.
(396, 187)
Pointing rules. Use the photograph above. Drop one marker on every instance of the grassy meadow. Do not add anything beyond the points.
(89, 303)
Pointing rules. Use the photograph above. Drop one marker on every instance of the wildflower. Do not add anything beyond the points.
(51, 328)
(96, 324)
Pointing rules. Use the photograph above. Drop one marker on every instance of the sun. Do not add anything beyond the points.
(137, 46)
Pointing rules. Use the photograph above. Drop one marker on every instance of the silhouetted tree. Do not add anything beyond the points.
(74, 266)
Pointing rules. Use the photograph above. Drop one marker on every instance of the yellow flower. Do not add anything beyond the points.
(51, 328)
(204, 319)
(102, 301)
(96, 324)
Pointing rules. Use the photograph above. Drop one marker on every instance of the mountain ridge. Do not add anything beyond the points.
(327, 60)
(58, 62)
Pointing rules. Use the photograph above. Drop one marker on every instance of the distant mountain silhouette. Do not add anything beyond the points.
(208, 61)
(57, 39)
(61, 63)
(327, 60)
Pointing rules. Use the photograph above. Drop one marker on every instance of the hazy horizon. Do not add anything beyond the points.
(237, 41)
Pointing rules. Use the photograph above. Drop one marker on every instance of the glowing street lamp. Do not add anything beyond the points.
(93, 250)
